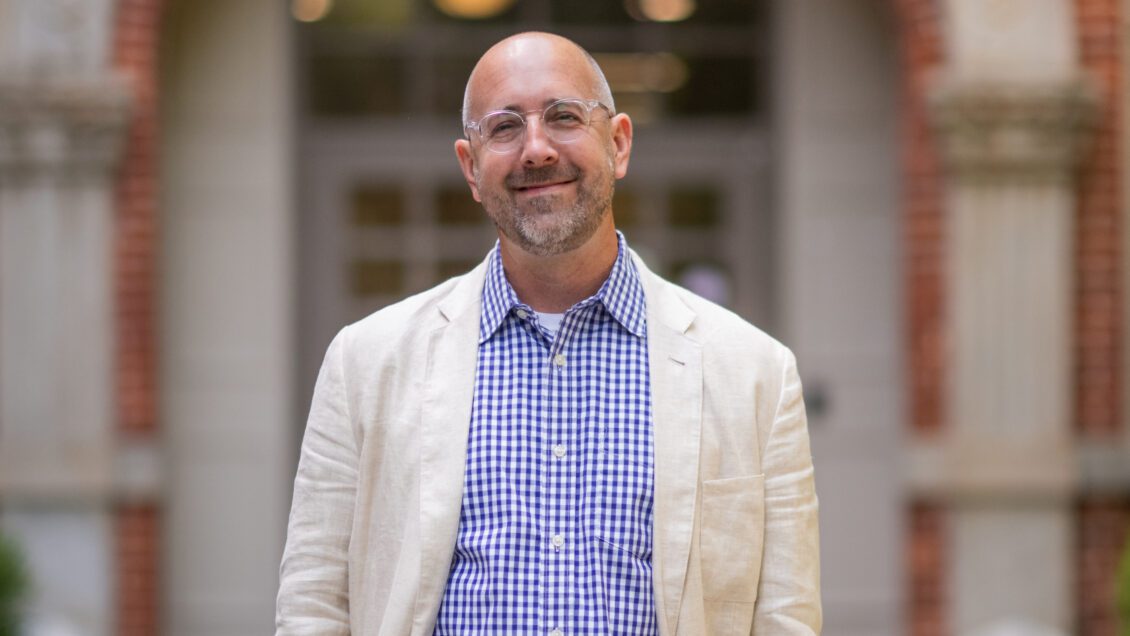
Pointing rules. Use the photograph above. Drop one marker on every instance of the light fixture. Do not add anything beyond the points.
(310, 10)
(660, 10)
(473, 9)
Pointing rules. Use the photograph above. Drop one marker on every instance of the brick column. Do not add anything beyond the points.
(137, 527)
(1010, 111)
(921, 54)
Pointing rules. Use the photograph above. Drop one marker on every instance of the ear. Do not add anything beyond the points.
(467, 164)
(621, 143)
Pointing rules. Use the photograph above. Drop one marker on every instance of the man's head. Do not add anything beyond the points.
(548, 193)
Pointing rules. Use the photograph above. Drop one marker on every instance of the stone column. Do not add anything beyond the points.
(1010, 111)
(62, 122)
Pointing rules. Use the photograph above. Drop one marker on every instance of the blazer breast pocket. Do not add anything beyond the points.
(731, 538)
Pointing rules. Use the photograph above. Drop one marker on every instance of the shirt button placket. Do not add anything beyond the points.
(560, 477)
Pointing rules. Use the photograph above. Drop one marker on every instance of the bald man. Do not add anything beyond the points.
(558, 443)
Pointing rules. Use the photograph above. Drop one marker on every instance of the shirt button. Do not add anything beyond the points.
(557, 541)
(559, 451)
(556, 632)
(523, 314)
(559, 359)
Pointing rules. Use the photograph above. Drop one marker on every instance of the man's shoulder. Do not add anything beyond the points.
(723, 336)
(716, 326)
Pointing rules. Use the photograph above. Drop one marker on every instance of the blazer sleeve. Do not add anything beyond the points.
(789, 589)
(314, 575)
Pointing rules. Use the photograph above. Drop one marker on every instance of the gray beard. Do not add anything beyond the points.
(545, 228)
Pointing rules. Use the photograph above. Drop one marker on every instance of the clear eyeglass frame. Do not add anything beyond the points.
(504, 131)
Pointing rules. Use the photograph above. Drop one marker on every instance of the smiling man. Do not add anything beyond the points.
(559, 442)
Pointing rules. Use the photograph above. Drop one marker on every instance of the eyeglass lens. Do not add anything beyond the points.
(563, 121)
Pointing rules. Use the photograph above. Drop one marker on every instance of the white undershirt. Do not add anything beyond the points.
(550, 321)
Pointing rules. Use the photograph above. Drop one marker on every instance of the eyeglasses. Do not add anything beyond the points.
(504, 131)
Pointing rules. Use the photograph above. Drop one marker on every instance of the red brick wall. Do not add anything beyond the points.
(1102, 522)
(135, 56)
(926, 560)
(921, 52)
(1098, 231)
(137, 528)
(1102, 533)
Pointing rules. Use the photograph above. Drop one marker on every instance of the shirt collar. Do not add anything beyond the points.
(621, 294)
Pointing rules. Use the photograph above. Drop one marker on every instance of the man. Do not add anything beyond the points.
(559, 442)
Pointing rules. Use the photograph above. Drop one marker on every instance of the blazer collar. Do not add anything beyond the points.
(444, 424)
(675, 361)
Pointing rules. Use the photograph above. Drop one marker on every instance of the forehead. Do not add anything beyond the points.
(529, 73)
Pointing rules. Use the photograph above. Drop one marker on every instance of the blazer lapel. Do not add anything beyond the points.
(675, 363)
(445, 421)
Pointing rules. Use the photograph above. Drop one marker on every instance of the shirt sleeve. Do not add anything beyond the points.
(314, 575)
(789, 589)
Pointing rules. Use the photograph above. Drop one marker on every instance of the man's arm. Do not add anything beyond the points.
(788, 600)
(314, 576)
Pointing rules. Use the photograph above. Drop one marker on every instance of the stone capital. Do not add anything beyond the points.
(988, 132)
(62, 129)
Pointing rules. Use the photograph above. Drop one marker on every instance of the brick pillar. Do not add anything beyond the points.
(926, 560)
(1098, 229)
(138, 519)
(1104, 509)
(1104, 523)
(921, 52)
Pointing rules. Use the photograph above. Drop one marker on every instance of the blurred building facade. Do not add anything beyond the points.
(923, 198)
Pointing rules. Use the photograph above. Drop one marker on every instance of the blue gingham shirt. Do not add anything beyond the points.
(555, 530)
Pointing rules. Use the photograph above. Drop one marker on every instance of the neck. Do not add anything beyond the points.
(552, 284)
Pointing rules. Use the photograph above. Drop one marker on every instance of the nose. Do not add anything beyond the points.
(537, 148)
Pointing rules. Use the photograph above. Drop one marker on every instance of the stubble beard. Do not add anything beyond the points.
(547, 225)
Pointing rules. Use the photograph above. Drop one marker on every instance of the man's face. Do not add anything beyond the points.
(546, 197)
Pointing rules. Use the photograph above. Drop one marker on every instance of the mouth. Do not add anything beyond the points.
(543, 188)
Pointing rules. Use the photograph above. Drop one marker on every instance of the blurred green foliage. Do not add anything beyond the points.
(14, 587)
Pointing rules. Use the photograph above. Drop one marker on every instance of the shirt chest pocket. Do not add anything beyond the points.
(731, 538)
(624, 514)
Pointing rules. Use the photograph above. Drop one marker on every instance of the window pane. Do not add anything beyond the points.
(625, 208)
(692, 206)
(448, 269)
(378, 205)
(715, 86)
(371, 277)
(354, 85)
(603, 12)
(455, 206)
(450, 75)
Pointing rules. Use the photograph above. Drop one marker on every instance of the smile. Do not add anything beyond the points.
(543, 188)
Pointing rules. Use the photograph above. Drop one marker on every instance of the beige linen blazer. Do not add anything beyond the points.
(380, 479)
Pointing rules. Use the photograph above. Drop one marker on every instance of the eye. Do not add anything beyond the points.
(502, 126)
(564, 115)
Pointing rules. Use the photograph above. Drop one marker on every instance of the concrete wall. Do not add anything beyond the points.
(227, 314)
(836, 204)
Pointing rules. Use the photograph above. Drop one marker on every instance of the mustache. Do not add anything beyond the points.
(546, 174)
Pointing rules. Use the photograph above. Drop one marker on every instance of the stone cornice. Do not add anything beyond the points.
(62, 129)
(989, 132)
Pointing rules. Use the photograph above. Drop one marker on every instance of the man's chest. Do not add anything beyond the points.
(558, 489)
